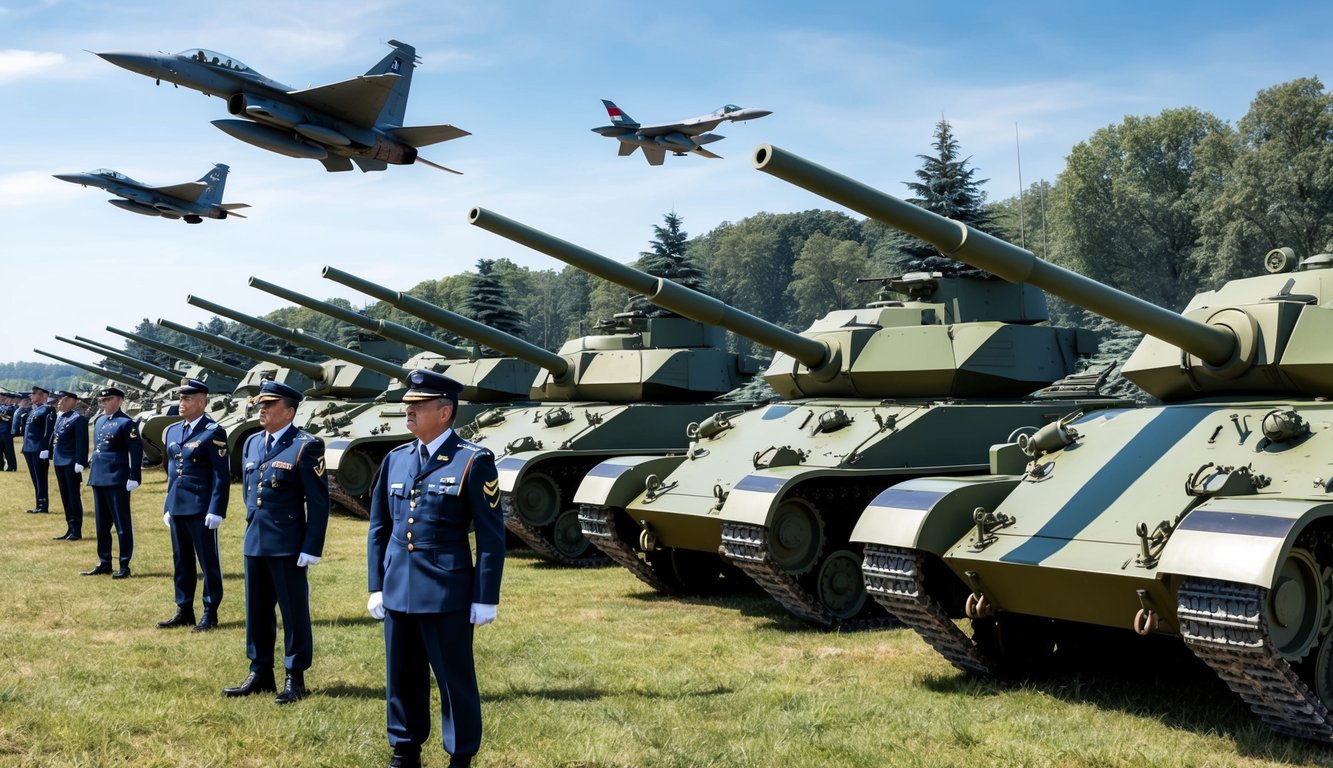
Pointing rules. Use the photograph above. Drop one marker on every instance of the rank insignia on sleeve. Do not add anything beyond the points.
(220, 443)
(492, 490)
(133, 433)
(222, 452)
(319, 467)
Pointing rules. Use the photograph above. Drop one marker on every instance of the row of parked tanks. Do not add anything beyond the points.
(935, 458)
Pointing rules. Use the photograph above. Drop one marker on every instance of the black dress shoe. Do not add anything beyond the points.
(100, 570)
(460, 761)
(293, 688)
(37, 512)
(123, 573)
(255, 682)
(61, 537)
(209, 621)
(73, 537)
(405, 757)
(183, 618)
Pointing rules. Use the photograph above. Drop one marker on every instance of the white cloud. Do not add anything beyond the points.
(17, 64)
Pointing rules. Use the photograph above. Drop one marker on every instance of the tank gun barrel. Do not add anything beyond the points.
(312, 371)
(386, 329)
(689, 303)
(99, 371)
(956, 240)
(217, 366)
(122, 358)
(303, 339)
(456, 323)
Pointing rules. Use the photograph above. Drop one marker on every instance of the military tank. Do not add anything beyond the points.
(629, 389)
(916, 385)
(113, 376)
(156, 386)
(1206, 518)
(220, 377)
(356, 441)
(235, 412)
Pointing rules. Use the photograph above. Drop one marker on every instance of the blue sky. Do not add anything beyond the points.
(857, 86)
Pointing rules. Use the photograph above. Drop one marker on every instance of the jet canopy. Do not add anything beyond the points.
(205, 56)
(110, 174)
(728, 109)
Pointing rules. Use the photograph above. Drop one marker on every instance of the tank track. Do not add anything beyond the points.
(600, 528)
(533, 538)
(894, 578)
(743, 546)
(351, 503)
(1224, 624)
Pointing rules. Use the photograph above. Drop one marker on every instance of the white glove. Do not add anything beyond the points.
(482, 614)
(44, 455)
(166, 519)
(78, 469)
(212, 521)
(303, 560)
(376, 606)
(130, 485)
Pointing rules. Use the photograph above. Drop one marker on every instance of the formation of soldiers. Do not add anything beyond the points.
(423, 582)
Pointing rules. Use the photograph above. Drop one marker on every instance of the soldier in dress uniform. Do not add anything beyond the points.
(198, 485)
(423, 581)
(113, 475)
(69, 455)
(37, 444)
(286, 514)
(8, 404)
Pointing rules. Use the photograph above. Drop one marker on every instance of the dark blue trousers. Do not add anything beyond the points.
(8, 461)
(71, 498)
(414, 645)
(111, 507)
(276, 582)
(37, 471)
(191, 540)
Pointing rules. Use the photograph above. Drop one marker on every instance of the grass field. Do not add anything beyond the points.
(584, 668)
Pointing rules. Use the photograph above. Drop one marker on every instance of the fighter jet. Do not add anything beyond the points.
(354, 121)
(193, 201)
(676, 138)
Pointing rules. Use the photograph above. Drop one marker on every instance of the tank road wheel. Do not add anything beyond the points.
(1295, 607)
(840, 586)
(796, 536)
(536, 500)
(356, 471)
(567, 536)
(686, 571)
(1020, 645)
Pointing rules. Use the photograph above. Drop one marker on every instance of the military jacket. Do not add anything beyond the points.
(198, 471)
(117, 451)
(37, 429)
(286, 495)
(7, 420)
(20, 420)
(417, 551)
(69, 440)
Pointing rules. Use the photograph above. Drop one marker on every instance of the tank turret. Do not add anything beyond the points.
(235, 373)
(917, 347)
(123, 359)
(294, 372)
(1247, 337)
(365, 377)
(119, 378)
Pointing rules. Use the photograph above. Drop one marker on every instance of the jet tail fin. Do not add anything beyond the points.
(401, 61)
(425, 135)
(216, 180)
(618, 116)
(626, 149)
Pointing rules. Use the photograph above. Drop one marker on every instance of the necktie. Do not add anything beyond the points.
(422, 457)
(268, 444)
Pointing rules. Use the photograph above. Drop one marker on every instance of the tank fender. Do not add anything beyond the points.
(334, 450)
(509, 468)
(755, 496)
(1239, 539)
(930, 513)
(618, 482)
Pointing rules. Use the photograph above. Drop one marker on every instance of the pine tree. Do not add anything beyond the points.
(946, 187)
(667, 259)
(488, 302)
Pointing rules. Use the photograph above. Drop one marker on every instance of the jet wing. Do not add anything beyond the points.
(691, 127)
(706, 153)
(425, 135)
(357, 101)
(191, 190)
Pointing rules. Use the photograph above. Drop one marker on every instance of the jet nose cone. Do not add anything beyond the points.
(135, 62)
(73, 178)
(751, 114)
